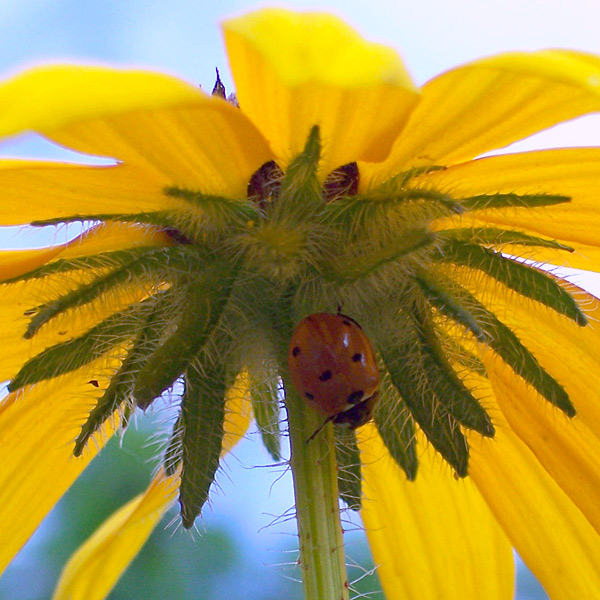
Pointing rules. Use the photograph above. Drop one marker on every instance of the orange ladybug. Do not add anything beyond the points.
(333, 366)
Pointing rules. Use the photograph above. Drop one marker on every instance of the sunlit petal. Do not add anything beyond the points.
(72, 190)
(434, 537)
(165, 126)
(360, 95)
(111, 236)
(239, 412)
(97, 565)
(37, 430)
(550, 533)
(573, 172)
(94, 569)
(568, 449)
(490, 103)
(17, 299)
(16, 262)
(106, 237)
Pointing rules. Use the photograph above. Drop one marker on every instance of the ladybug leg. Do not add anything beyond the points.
(357, 415)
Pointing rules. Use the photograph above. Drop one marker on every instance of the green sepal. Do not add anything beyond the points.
(103, 260)
(300, 193)
(265, 406)
(440, 297)
(71, 355)
(213, 213)
(158, 261)
(356, 267)
(514, 353)
(443, 379)
(494, 236)
(172, 456)
(357, 213)
(396, 427)
(460, 355)
(347, 457)
(518, 276)
(500, 338)
(202, 431)
(200, 309)
(400, 180)
(487, 201)
(119, 391)
(440, 427)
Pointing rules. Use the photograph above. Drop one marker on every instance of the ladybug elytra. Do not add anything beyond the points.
(333, 366)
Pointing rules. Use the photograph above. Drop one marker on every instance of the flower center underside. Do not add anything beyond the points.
(222, 299)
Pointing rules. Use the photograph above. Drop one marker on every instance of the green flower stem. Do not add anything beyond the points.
(317, 510)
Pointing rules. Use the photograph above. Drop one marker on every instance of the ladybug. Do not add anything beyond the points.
(333, 366)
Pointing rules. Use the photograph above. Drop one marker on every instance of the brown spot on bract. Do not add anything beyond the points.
(94, 382)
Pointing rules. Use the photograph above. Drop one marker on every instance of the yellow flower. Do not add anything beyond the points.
(336, 182)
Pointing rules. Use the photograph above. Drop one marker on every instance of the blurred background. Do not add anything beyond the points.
(245, 546)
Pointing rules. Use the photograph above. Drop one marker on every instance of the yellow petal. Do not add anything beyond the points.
(166, 127)
(569, 352)
(40, 191)
(50, 97)
(572, 172)
(106, 237)
(295, 70)
(490, 103)
(96, 566)
(113, 236)
(434, 537)
(239, 412)
(16, 299)
(37, 430)
(549, 532)
(568, 449)
(16, 262)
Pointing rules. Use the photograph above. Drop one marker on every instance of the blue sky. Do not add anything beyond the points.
(182, 37)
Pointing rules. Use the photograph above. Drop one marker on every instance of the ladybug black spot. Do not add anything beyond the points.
(355, 397)
(295, 351)
(309, 395)
(357, 357)
(347, 323)
(325, 376)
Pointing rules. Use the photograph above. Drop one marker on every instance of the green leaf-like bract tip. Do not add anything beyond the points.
(202, 419)
(200, 310)
(396, 427)
(499, 337)
(522, 278)
(119, 391)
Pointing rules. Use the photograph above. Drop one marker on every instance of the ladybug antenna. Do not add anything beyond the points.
(320, 428)
(339, 311)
